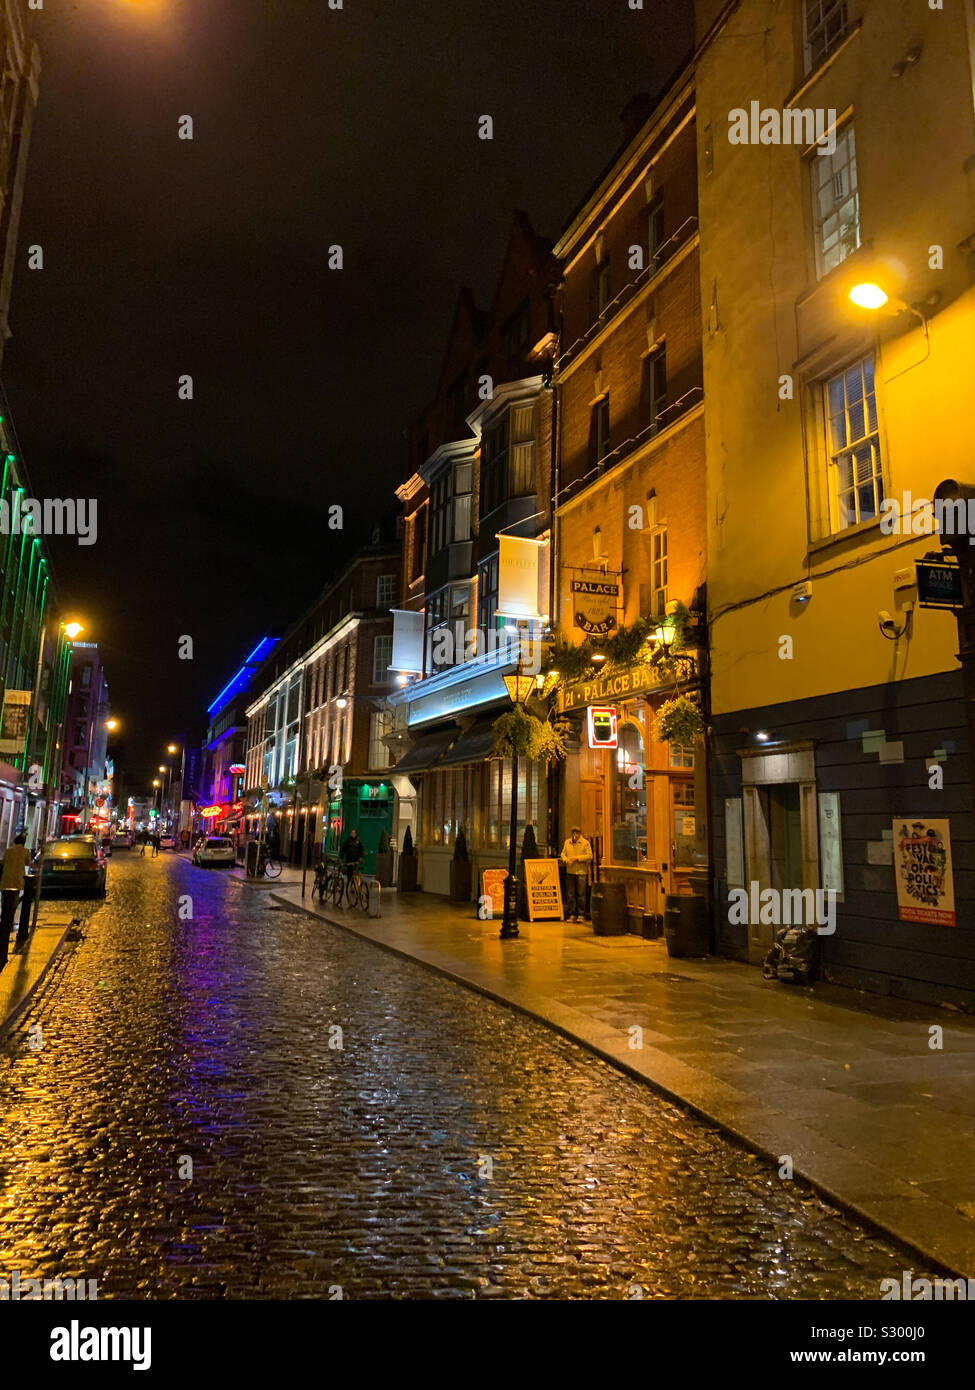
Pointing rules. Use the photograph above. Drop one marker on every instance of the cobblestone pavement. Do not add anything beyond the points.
(449, 1149)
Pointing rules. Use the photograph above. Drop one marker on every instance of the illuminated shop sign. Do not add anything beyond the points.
(621, 685)
(602, 726)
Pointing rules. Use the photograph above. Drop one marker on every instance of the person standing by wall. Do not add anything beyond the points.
(12, 880)
(576, 856)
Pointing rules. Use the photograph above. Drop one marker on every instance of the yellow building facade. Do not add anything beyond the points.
(836, 151)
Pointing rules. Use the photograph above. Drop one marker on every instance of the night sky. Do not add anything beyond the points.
(164, 256)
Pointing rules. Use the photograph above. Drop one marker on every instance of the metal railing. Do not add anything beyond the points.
(666, 417)
(663, 256)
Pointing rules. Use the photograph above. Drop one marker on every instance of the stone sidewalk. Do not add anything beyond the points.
(844, 1084)
(24, 973)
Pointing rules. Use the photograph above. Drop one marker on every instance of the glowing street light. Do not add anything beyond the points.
(868, 296)
(72, 629)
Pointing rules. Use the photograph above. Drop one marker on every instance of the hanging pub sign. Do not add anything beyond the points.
(922, 867)
(594, 601)
(601, 720)
(543, 890)
(938, 584)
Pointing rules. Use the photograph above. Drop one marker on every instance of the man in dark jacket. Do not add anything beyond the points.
(351, 853)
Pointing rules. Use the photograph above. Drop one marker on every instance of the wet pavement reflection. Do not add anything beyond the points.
(236, 1100)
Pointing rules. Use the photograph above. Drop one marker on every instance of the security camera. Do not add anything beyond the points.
(888, 627)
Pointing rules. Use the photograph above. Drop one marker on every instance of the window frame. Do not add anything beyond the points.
(872, 438)
(381, 674)
(846, 133)
(832, 38)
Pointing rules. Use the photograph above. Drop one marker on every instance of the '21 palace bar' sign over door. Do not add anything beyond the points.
(621, 685)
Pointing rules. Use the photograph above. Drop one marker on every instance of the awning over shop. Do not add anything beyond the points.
(472, 747)
(426, 751)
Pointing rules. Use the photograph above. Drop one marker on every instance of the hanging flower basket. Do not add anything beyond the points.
(518, 732)
(680, 721)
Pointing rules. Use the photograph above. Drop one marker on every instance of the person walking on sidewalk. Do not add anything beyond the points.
(576, 856)
(12, 880)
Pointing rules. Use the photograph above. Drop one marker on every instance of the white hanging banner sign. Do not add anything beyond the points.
(407, 655)
(518, 580)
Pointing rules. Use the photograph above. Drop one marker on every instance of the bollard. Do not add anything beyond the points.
(375, 898)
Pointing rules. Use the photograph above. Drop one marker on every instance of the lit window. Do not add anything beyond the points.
(825, 24)
(681, 755)
(836, 203)
(856, 467)
(385, 590)
(659, 545)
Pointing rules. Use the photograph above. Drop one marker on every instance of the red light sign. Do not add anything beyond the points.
(602, 726)
(213, 812)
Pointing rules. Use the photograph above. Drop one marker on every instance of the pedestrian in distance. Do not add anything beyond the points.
(12, 881)
(143, 841)
(155, 843)
(576, 856)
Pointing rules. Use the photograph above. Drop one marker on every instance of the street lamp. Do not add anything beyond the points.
(519, 689)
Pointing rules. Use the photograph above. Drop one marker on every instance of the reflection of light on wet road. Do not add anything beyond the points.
(449, 1148)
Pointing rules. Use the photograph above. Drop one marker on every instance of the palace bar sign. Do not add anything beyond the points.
(620, 685)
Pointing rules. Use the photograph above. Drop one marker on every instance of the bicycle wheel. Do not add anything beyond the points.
(363, 895)
(337, 889)
(273, 868)
(353, 893)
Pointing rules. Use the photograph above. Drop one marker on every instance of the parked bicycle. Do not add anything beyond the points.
(328, 876)
(268, 866)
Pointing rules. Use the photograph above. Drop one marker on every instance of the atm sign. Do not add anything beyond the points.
(602, 726)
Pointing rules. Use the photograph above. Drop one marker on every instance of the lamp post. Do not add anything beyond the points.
(519, 688)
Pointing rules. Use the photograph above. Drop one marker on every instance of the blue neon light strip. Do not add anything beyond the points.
(236, 684)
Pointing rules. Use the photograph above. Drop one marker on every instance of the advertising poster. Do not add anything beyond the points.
(492, 881)
(543, 890)
(922, 866)
(13, 725)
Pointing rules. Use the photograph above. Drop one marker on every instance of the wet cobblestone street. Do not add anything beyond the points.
(450, 1148)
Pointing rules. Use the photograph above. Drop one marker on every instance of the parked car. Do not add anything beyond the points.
(74, 863)
(122, 839)
(167, 842)
(215, 849)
